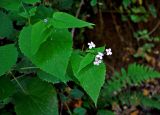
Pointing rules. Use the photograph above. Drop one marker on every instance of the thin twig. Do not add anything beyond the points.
(132, 31)
(26, 11)
(18, 82)
(117, 28)
(101, 22)
(61, 108)
(77, 15)
(152, 31)
(18, 77)
(68, 108)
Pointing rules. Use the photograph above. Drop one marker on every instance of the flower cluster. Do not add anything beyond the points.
(99, 56)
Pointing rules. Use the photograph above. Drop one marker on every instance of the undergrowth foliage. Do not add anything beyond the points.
(134, 75)
(41, 55)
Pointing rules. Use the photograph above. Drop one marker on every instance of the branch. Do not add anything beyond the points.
(77, 14)
(152, 31)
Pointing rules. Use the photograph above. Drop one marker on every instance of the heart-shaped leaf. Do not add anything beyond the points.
(91, 77)
(53, 54)
(64, 20)
(39, 98)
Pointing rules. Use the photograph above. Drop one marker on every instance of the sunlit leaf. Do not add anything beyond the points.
(91, 77)
(64, 20)
(52, 55)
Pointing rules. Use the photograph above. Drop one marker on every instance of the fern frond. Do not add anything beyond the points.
(135, 75)
(137, 98)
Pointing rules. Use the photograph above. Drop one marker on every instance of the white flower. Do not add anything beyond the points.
(100, 55)
(91, 45)
(97, 61)
(108, 51)
(45, 20)
(98, 58)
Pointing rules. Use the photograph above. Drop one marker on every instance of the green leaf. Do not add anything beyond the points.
(93, 2)
(31, 1)
(10, 4)
(31, 13)
(153, 10)
(139, 9)
(126, 3)
(53, 54)
(57, 51)
(135, 18)
(100, 49)
(75, 62)
(36, 35)
(79, 111)
(43, 12)
(150, 102)
(76, 93)
(65, 4)
(91, 77)
(48, 77)
(86, 61)
(6, 88)
(6, 25)
(96, 50)
(88, 58)
(8, 58)
(25, 41)
(40, 98)
(64, 20)
(105, 112)
(39, 35)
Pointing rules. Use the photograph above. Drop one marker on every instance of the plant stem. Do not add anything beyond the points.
(18, 77)
(24, 68)
(29, 20)
(18, 82)
(68, 108)
(77, 14)
(152, 31)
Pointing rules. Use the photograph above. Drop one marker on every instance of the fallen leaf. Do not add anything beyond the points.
(150, 59)
(135, 112)
(146, 92)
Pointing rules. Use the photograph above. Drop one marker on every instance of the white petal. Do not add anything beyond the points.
(90, 47)
(100, 54)
(95, 63)
(108, 50)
